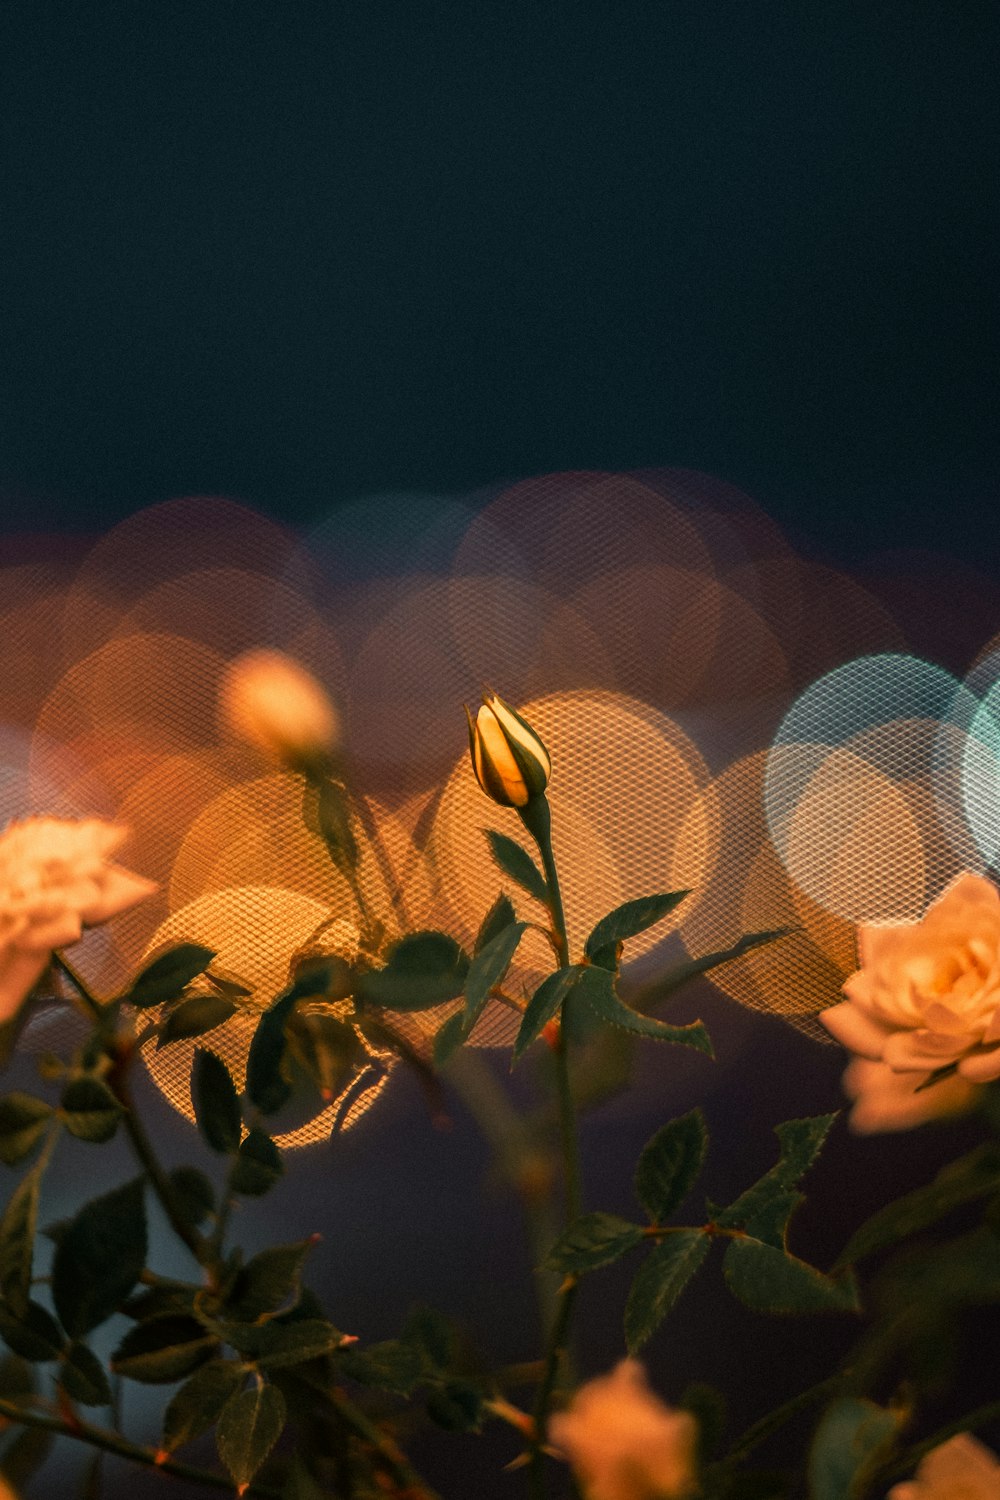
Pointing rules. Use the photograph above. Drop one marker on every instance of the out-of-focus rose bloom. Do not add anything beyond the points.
(274, 704)
(510, 761)
(55, 879)
(961, 1469)
(927, 994)
(623, 1442)
(884, 1100)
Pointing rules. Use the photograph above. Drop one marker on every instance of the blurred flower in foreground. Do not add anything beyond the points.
(884, 1100)
(274, 704)
(927, 994)
(55, 879)
(623, 1442)
(511, 764)
(961, 1469)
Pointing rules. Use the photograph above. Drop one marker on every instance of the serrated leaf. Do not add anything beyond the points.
(216, 1102)
(162, 1350)
(249, 1425)
(518, 864)
(168, 975)
(800, 1143)
(276, 1345)
(17, 1239)
(90, 1110)
(390, 1366)
(499, 916)
(100, 1258)
(629, 919)
(82, 1376)
(258, 1166)
(423, 970)
(23, 1121)
(196, 1406)
(488, 969)
(597, 988)
(593, 1240)
(543, 1005)
(659, 1281)
(194, 1196)
(974, 1176)
(194, 1017)
(769, 1280)
(35, 1336)
(770, 1221)
(682, 973)
(850, 1436)
(268, 1281)
(670, 1163)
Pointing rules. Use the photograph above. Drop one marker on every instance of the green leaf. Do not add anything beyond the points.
(24, 1456)
(670, 1163)
(769, 1280)
(275, 1345)
(597, 986)
(216, 1102)
(708, 1406)
(90, 1110)
(23, 1122)
(680, 974)
(196, 1406)
(194, 1017)
(593, 1240)
(159, 1301)
(249, 1425)
(258, 1166)
(800, 1143)
(660, 1280)
(432, 1335)
(499, 916)
(164, 1349)
(82, 1376)
(543, 1005)
(268, 1281)
(449, 1037)
(99, 1258)
(518, 864)
(17, 1239)
(168, 975)
(36, 1336)
(194, 1196)
(17, 1378)
(327, 1048)
(630, 919)
(391, 1366)
(974, 1176)
(423, 970)
(851, 1435)
(770, 1221)
(267, 1085)
(488, 969)
(457, 1406)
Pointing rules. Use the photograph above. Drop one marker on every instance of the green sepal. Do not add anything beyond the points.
(518, 864)
(89, 1109)
(83, 1376)
(35, 1336)
(258, 1166)
(423, 970)
(853, 1435)
(593, 1240)
(195, 1016)
(670, 1164)
(167, 976)
(249, 1425)
(23, 1121)
(629, 919)
(162, 1350)
(99, 1258)
(196, 1406)
(660, 1280)
(216, 1102)
(769, 1280)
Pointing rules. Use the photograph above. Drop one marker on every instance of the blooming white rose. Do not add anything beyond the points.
(623, 1442)
(274, 704)
(55, 879)
(960, 1469)
(927, 993)
(884, 1100)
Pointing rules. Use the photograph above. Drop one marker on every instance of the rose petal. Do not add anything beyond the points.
(855, 1029)
(56, 932)
(121, 889)
(981, 1067)
(922, 1051)
(19, 973)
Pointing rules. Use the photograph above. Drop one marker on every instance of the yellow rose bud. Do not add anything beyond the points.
(511, 764)
(274, 704)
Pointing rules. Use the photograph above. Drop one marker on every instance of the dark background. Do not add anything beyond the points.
(306, 252)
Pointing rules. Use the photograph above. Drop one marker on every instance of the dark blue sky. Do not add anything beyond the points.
(297, 253)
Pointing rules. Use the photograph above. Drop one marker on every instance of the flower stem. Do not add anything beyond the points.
(158, 1178)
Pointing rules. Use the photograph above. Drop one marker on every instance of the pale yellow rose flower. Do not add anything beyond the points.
(961, 1469)
(927, 993)
(272, 703)
(509, 760)
(884, 1100)
(55, 879)
(623, 1442)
